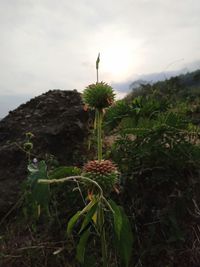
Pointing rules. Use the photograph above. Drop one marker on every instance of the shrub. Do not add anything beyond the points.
(161, 174)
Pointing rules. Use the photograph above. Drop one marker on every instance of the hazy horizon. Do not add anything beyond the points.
(46, 45)
(11, 102)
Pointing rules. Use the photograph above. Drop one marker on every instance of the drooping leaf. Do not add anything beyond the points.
(72, 222)
(80, 252)
(74, 219)
(88, 217)
(117, 216)
(89, 206)
(126, 239)
(40, 192)
(123, 233)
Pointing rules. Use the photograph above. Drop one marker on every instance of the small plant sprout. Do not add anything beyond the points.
(28, 145)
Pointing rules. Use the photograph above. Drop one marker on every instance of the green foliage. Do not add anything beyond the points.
(64, 171)
(160, 163)
(117, 219)
(92, 217)
(39, 198)
(125, 243)
(179, 90)
(80, 254)
(40, 193)
(116, 113)
(123, 234)
(140, 108)
(74, 219)
(174, 88)
(158, 154)
(87, 214)
(168, 134)
(88, 218)
(98, 96)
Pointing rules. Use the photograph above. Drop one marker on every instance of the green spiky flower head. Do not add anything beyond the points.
(103, 172)
(99, 95)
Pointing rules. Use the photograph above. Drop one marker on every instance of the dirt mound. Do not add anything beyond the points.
(60, 127)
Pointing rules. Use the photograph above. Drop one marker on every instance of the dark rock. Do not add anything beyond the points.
(60, 126)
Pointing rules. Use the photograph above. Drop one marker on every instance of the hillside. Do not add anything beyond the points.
(138, 203)
(185, 87)
(181, 94)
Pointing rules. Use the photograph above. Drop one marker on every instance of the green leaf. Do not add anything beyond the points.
(123, 232)
(80, 252)
(117, 216)
(72, 221)
(37, 172)
(126, 239)
(89, 206)
(88, 217)
(64, 171)
(40, 192)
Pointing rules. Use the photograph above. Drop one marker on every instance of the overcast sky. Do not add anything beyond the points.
(46, 44)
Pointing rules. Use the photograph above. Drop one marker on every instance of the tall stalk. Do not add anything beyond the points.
(99, 133)
(100, 96)
(101, 209)
(101, 221)
(99, 117)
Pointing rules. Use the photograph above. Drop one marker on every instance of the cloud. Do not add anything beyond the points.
(47, 44)
(11, 101)
(124, 87)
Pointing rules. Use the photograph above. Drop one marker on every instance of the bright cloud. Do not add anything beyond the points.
(47, 44)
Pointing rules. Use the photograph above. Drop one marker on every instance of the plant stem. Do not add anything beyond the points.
(99, 133)
(103, 236)
(101, 211)
(71, 178)
(97, 75)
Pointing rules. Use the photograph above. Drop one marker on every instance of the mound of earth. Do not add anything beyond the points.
(60, 127)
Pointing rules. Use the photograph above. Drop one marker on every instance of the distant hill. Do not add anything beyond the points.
(151, 78)
(178, 88)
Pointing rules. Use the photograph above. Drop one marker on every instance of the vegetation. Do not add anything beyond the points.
(160, 171)
(158, 154)
(152, 164)
(181, 92)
